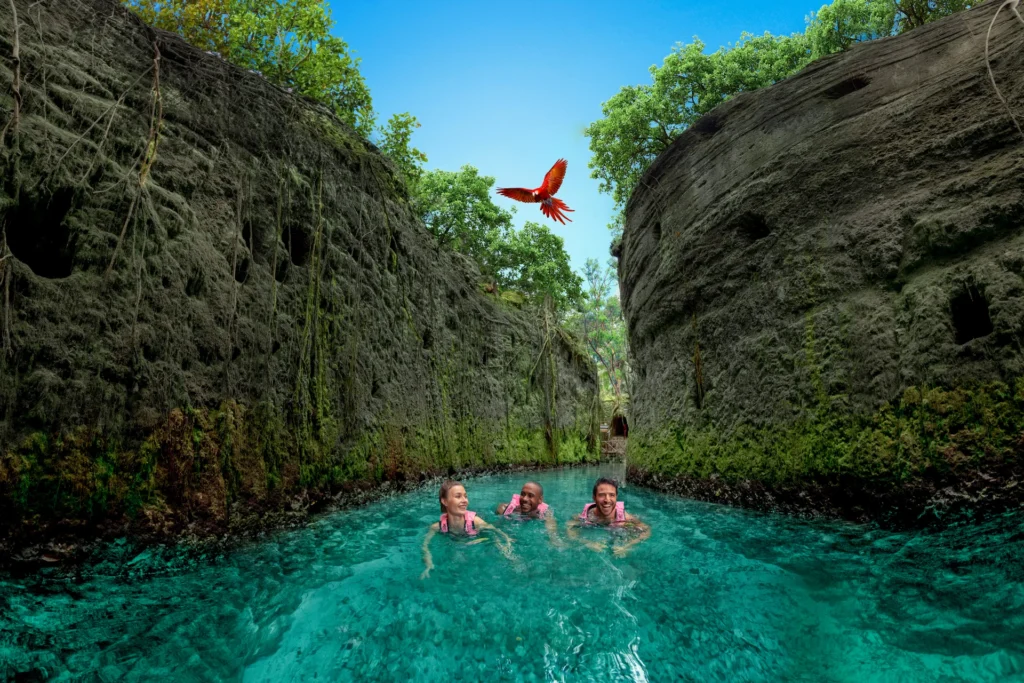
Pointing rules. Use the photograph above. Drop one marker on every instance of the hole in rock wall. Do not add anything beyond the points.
(298, 243)
(281, 273)
(971, 319)
(752, 226)
(657, 232)
(619, 426)
(38, 235)
(708, 124)
(242, 269)
(850, 85)
(195, 284)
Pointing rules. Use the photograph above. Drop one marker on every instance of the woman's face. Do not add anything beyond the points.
(456, 501)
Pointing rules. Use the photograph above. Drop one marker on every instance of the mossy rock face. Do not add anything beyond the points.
(217, 295)
(792, 268)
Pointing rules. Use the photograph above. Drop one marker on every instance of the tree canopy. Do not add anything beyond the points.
(458, 210)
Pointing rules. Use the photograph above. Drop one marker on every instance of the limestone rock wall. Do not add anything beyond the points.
(822, 281)
(216, 295)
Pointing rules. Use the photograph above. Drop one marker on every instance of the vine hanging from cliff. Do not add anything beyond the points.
(156, 118)
(1012, 4)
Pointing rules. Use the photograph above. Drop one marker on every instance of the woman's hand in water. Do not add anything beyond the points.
(595, 546)
(620, 550)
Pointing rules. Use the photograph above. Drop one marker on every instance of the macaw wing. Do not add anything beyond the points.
(553, 178)
(520, 194)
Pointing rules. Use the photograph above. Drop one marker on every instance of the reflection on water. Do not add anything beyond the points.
(716, 594)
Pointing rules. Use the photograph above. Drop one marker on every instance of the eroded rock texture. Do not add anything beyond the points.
(215, 293)
(823, 288)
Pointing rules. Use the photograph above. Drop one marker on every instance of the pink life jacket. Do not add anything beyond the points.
(514, 505)
(620, 512)
(470, 516)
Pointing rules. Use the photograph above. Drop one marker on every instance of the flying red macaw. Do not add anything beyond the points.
(550, 206)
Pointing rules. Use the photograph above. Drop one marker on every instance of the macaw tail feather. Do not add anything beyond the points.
(555, 210)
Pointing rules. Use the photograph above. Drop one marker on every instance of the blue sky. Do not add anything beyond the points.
(509, 89)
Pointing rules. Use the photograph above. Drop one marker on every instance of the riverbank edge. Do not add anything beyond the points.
(71, 549)
(934, 456)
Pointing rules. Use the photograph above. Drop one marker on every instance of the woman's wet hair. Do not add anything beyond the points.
(605, 480)
(447, 486)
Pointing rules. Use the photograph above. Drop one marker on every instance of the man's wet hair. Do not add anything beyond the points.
(539, 487)
(605, 480)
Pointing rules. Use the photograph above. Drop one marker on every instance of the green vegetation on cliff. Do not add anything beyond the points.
(928, 432)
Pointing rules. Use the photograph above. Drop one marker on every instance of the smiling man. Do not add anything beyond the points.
(607, 510)
(529, 504)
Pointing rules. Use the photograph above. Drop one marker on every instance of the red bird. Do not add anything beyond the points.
(550, 206)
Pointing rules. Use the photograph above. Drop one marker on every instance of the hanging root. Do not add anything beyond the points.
(12, 125)
(15, 119)
(1012, 4)
(156, 117)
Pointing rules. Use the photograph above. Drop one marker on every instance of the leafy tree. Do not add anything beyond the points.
(396, 143)
(913, 13)
(288, 41)
(837, 26)
(457, 209)
(533, 261)
(599, 322)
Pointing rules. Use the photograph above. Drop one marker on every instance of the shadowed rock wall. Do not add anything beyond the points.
(215, 297)
(822, 283)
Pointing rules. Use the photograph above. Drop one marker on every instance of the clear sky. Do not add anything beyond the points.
(509, 88)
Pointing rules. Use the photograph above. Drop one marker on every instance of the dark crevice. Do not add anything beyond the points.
(708, 124)
(850, 85)
(38, 234)
(752, 226)
(281, 273)
(242, 269)
(195, 284)
(971, 318)
(299, 244)
(657, 232)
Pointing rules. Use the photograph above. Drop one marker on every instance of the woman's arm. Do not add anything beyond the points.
(427, 560)
(506, 549)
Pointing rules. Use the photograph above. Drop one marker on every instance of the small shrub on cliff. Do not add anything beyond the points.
(289, 42)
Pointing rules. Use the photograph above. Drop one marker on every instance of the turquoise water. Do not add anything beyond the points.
(716, 594)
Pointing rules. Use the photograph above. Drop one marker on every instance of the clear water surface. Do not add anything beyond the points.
(716, 594)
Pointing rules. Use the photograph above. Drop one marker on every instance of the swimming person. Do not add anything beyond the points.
(529, 503)
(458, 520)
(608, 510)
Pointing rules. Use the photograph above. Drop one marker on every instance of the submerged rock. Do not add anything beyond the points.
(217, 302)
(822, 283)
